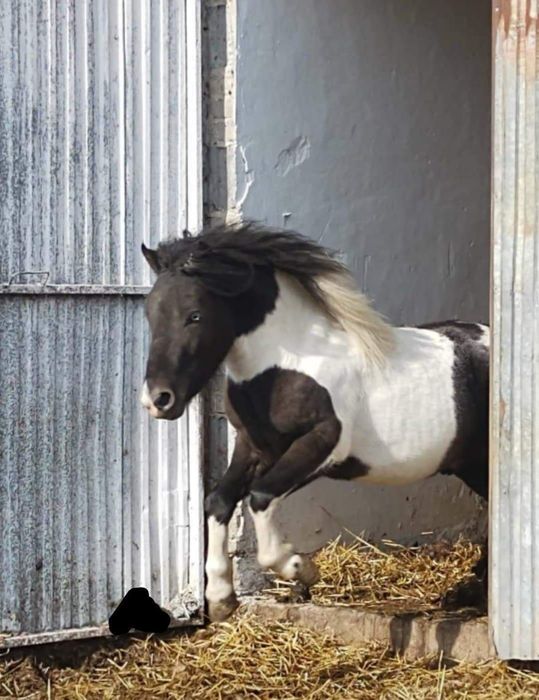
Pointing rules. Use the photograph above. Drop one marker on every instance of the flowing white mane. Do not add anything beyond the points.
(350, 308)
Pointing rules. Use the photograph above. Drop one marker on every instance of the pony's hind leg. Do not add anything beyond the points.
(473, 592)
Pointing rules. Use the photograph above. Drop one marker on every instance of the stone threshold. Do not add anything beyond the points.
(454, 635)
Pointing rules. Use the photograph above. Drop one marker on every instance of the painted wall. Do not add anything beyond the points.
(366, 125)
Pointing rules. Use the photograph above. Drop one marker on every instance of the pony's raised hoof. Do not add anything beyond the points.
(221, 610)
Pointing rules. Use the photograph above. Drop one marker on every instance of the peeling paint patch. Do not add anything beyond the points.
(295, 154)
(248, 180)
(516, 16)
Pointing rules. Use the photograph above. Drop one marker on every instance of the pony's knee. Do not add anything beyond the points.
(219, 506)
(260, 500)
(218, 567)
(219, 585)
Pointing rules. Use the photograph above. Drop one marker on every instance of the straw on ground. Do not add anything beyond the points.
(394, 579)
(249, 658)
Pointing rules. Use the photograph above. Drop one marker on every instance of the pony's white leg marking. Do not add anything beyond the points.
(277, 555)
(218, 564)
(219, 589)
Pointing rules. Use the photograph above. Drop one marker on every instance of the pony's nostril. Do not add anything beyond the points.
(163, 399)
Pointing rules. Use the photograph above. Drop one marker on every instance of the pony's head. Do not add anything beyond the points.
(201, 301)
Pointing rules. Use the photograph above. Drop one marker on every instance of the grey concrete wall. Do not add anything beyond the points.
(365, 124)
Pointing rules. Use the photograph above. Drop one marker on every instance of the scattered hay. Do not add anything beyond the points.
(22, 679)
(250, 658)
(397, 580)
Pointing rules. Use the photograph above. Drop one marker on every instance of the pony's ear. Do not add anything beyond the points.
(152, 257)
(221, 275)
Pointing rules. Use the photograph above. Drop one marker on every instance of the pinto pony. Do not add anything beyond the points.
(318, 383)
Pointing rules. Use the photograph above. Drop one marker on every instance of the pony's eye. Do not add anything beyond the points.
(194, 317)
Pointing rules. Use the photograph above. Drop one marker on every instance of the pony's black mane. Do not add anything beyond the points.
(257, 245)
(251, 242)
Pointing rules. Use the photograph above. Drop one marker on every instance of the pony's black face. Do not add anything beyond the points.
(191, 332)
(203, 299)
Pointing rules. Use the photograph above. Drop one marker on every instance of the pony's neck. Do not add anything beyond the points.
(295, 332)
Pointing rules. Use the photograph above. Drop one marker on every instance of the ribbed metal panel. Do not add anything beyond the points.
(95, 148)
(514, 580)
(93, 136)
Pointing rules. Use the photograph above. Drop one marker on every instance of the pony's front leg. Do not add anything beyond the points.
(295, 468)
(220, 594)
(219, 506)
(278, 555)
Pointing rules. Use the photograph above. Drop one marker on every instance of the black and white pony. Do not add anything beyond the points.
(318, 383)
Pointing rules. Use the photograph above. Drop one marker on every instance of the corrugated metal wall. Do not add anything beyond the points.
(514, 580)
(99, 103)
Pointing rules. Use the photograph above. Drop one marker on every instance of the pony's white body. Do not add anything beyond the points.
(398, 418)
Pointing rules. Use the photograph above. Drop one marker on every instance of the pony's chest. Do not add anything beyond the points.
(276, 407)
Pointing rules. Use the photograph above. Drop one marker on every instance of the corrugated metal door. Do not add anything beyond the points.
(514, 522)
(99, 129)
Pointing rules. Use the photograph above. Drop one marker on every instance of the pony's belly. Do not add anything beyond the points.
(396, 453)
(399, 459)
(399, 473)
(402, 457)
